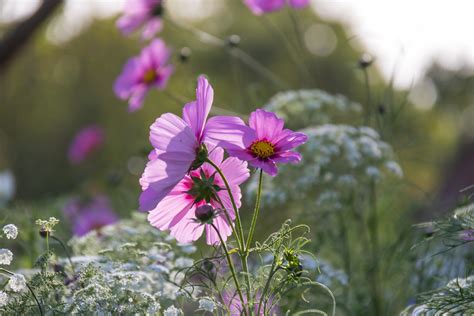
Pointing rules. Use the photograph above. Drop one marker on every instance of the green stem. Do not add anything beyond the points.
(232, 200)
(9, 273)
(368, 107)
(373, 231)
(229, 221)
(255, 212)
(242, 252)
(68, 255)
(231, 265)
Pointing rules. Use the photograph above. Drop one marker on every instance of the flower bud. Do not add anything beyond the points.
(204, 213)
(233, 40)
(184, 54)
(365, 61)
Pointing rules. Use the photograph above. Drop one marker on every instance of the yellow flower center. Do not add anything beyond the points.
(262, 148)
(149, 76)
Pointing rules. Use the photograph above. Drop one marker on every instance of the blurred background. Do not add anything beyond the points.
(419, 57)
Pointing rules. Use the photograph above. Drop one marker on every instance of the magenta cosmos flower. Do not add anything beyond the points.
(259, 7)
(86, 142)
(144, 72)
(144, 14)
(90, 215)
(177, 211)
(263, 143)
(180, 145)
(236, 308)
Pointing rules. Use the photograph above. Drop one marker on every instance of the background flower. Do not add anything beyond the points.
(86, 216)
(259, 7)
(86, 142)
(148, 70)
(141, 13)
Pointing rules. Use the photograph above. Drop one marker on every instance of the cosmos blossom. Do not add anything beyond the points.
(86, 142)
(259, 7)
(263, 143)
(202, 186)
(141, 73)
(145, 14)
(236, 308)
(180, 145)
(93, 214)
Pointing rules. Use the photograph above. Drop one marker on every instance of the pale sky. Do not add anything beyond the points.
(406, 34)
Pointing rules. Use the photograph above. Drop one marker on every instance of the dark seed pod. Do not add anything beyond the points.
(184, 54)
(365, 61)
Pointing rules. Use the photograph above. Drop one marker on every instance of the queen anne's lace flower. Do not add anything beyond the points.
(6, 256)
(173, 311)
(207, 304)
(3, 298)
(17, 282)
(10, 231)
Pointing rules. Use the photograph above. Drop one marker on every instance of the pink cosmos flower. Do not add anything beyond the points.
(144, 72)
(176, 212)
(180, 145)
(93, 214)
(259, 7)
(264, 144)
(87, 141)
(141, 13)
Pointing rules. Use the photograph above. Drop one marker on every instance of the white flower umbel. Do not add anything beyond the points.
(173, 311)
(3, 299)
(10, 231)
(17, 282)
(207, 304)
(6, 256)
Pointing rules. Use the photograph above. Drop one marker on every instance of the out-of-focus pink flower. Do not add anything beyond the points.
(264, 144)
(180, 145)
(236, 308)
(176, 212)
(145, 14)
(89, 215)
(144, 72)
(467, 235)
(259, 7)
(87, 141)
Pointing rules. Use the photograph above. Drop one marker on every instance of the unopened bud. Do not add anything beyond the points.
(204, 213)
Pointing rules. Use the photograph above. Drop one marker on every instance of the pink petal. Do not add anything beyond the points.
(267, 166)
(186, 229)
(259, 7)
(169, 133)
(266, 124)
(164, 75)
(298, 4)
(137, 97)
(169, 208)
(287, 157)
(195, 113)
(235, 171)
(127, 80)
(154, 55)
(212, 238)
(229, 132)
(289, 139)
(152, 27)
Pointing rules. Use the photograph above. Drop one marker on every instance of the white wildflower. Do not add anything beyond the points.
(172, 311)
(10, 231)
(6, 256)
(207, 304)
(372, 172)
(394, 168)
(3, 298)
(17, 282)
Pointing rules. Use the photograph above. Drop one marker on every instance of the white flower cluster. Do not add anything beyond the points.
(3, 299)
(17, 282)
(310, 107)
(6, 256)
(10, 231)
(337, 159)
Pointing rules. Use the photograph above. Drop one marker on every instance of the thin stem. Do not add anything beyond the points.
(255, 212)
(9, 273)
(368, 107)
(373, 231)
(68, 255)
(346, 254)
(229, 220)
(231, 265)
(236, 52)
